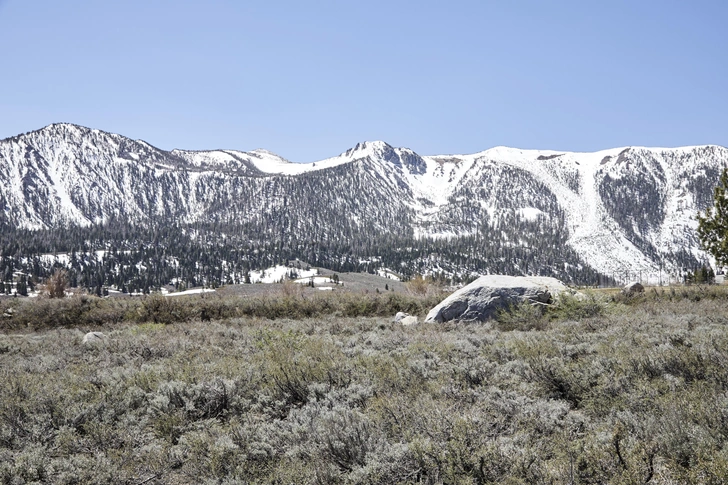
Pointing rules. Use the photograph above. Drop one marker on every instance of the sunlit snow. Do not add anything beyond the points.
(195, 291)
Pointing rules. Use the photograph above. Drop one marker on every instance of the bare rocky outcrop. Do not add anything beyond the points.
(483, 298)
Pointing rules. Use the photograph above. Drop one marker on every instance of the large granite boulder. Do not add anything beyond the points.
(633, 289)
(481, 299)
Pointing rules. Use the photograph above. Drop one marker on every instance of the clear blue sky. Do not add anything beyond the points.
(308, 80)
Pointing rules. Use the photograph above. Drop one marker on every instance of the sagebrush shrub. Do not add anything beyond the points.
(596, 392)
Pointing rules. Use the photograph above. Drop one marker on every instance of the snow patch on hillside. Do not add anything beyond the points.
(275, 274)
(530, 213)
(317, 280)
(195, 291)
(389, 274)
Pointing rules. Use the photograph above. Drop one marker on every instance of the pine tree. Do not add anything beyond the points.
(21, 288)
(713, 225)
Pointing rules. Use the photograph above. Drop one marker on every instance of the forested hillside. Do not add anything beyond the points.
(121, 213)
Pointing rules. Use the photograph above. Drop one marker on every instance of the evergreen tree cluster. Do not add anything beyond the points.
(135, 258)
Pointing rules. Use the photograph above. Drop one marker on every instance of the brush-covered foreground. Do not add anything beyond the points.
(600, 390)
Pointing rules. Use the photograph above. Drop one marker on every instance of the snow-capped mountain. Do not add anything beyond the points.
(622, 209)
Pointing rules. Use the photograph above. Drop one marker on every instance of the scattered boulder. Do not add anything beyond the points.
(633, 288)
(484, 297)
(409, 320)
(94, 338)
(405, 319)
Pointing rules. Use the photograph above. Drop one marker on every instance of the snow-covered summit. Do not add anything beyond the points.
(620, 208)
(366, 149)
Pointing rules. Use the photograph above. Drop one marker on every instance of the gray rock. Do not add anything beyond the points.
(484, 297)
(405, 319)
(409, 320)
(94, 338)
(633, 288)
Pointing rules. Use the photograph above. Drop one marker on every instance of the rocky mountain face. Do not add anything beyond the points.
(562, 214)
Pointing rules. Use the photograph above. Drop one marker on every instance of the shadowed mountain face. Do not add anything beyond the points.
(630, 208)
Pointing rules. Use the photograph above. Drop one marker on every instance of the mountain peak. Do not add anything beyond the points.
(367, 148)
(55, 128)
(66, 125)
(376, 144)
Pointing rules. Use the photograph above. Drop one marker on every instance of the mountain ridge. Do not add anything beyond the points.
(622, 208)
(498, 148)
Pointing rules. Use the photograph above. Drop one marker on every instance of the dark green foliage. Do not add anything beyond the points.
(577, 307)
(702, 275)
(21, 287)
(713, 224)
(521, 317)
(138, 258)
(528, 316)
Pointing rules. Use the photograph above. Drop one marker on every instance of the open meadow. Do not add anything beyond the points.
(289, 389)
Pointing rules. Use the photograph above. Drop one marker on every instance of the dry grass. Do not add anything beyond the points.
(601, 390)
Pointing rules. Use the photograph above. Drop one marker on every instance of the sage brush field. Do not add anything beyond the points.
(599, 390)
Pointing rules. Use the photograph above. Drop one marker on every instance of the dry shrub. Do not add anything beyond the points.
(291, 289)
(89, 310)
(57, 284)
(422, 286)
(74, 311)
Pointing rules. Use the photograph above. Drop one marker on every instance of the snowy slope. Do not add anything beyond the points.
(628, 208)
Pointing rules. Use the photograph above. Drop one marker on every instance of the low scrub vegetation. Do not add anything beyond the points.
(88, 311)
(596, 389)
